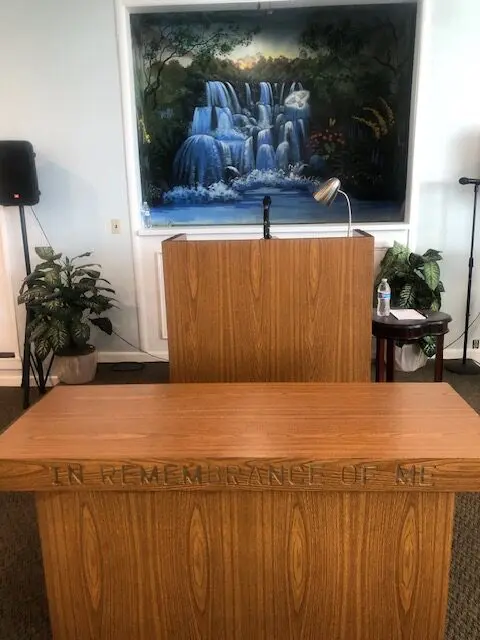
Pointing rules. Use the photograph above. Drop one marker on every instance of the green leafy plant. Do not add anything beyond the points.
(415, 282)
(64, 298)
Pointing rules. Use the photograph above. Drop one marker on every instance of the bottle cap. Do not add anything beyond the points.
(384, 280)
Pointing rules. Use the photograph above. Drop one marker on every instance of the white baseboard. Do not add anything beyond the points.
(11, 368)
(132, 356)
(451, 354)
(15, 379)
(10, 372)
(156, 356)
(10, 364)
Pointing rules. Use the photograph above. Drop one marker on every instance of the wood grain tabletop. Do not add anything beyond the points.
(196, 424)
(252, 420)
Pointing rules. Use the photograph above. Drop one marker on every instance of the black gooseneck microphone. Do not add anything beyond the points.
(469, 181)
(267, 201)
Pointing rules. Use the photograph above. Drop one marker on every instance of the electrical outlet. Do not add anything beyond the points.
(476, 344)
(115, 223)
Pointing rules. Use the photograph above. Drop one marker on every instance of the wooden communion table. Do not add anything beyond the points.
(246, 511)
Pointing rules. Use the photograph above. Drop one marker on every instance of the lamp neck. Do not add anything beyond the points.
(349, 205)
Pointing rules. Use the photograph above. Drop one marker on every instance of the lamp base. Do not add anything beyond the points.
(467, 368)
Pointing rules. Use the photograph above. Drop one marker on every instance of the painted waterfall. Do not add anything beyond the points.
(267, 134)
(233, 106)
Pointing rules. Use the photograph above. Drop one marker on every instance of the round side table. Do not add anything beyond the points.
(387, 329)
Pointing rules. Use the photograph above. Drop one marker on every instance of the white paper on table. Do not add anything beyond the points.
(407, 314)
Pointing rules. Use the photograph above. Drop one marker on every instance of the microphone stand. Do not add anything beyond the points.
(267, 201)
(463, 366)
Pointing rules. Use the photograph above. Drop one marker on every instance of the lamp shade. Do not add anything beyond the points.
(328, 191)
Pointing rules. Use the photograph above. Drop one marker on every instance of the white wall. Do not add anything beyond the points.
(8, 330)
(60, 73)
(448, 146)
(61, 91)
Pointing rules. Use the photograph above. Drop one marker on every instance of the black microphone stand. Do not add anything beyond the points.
(267, 201)
(463, 366)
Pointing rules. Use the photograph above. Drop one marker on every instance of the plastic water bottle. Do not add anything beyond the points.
(146, 216)
(384, 294)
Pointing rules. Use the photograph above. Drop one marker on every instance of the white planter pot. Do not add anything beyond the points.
(78, 369)
(409, 358)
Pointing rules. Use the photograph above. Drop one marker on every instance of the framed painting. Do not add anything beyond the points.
(236, 105)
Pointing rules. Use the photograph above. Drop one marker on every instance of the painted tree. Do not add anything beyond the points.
(374, 47)
(162, 42)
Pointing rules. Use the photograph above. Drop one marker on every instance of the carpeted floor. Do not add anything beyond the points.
(23, 605)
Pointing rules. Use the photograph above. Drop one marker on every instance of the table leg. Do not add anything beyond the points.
(380, 361)
(439, 359)
(390, 359)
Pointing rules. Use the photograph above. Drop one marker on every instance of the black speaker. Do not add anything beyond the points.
(18, 175)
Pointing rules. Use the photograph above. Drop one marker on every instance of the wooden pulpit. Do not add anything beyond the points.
(280, 310)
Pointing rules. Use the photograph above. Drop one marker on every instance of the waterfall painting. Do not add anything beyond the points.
(236, 105)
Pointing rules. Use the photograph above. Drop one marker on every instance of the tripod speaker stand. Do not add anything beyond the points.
(19, 187)
(30, 362)
(464, 366)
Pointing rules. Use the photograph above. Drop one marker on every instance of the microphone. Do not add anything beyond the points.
(469, 181)
(267, 201)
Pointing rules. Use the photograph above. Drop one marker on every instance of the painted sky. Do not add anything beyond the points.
(279, 33)
(280, 29)
(275, 39)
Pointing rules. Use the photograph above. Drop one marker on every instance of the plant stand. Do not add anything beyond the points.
(387, 329)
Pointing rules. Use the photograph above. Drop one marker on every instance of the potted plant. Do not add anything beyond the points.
(415, 283)
(64, 298)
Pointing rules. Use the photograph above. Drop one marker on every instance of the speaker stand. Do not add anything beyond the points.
(31, 363)
(464, 366)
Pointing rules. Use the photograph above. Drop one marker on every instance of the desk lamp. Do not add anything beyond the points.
(326, 194)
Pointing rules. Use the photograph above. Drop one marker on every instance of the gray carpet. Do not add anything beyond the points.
(23, 605)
